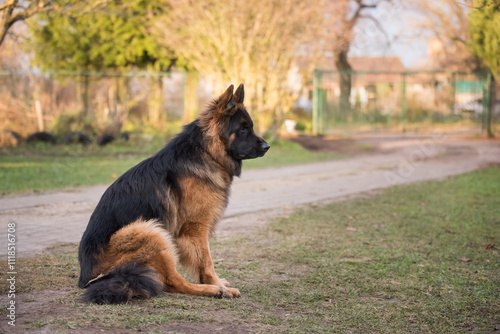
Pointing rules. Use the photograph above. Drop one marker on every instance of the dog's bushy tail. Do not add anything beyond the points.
(122, 284)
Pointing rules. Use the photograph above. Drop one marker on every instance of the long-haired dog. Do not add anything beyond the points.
(163, 210)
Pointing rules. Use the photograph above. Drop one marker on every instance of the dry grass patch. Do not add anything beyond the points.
(420, 258)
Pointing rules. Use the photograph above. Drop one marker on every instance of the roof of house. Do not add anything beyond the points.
(385, 64)
(367, 64)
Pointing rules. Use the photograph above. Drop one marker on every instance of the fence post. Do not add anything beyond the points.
(453, 92)
(491, 104)
(315, 111)
(183, 92)
(321, 104)
(403, 98)
(486, 122)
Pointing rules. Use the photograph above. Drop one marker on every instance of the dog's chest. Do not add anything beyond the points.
(202, 202)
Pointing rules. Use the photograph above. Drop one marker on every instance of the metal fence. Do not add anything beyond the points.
(35, 101)
(395, 99)
(114, 101)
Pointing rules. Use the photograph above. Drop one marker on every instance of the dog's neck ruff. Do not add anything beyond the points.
(218, 153)
(216, 147)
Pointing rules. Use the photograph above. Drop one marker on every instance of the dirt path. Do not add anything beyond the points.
(51, 218)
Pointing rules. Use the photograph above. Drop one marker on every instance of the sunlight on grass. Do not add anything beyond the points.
(21, 164)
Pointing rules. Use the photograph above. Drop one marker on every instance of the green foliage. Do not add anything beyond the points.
(113, 36)
(484, 23)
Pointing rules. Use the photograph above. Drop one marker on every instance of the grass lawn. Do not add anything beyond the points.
(419, 258)
(43, 167)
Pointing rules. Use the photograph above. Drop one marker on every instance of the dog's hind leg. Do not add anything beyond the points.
(164, 264)
(151, 246)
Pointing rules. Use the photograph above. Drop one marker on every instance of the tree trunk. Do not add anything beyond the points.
(259, 109)
(85, 96)
(52, 99)
(116, 119)
(345, 81)
(159, 93)
(493, 100)
(39, 115)
(155, 102)
(191, 81)
(5, 18)
(3, 33)
(37, 96)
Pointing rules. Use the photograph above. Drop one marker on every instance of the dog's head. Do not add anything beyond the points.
(230, 121)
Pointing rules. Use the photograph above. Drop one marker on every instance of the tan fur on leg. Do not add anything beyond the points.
(153, 247)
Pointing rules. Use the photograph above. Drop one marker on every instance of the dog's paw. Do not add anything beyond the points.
(232, 293)
(228, 293)
(221, 292)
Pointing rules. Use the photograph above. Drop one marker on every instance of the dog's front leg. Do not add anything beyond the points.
(194, 255)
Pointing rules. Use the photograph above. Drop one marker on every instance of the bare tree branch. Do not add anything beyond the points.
(448, 21)
(255, 42)
(342, 37)
(377, 23)
(14, 11)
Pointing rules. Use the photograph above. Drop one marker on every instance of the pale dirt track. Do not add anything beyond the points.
(60, 217)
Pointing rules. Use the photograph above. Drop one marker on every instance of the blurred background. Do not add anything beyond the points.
(354, 97)
(148, 66)
(89, 73)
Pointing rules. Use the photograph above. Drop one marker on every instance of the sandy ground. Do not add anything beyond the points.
(61, 216)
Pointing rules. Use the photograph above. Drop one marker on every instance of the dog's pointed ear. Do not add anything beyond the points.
(239, 96)
(225, 98)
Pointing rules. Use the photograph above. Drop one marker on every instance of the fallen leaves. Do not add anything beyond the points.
(395, 283)
(464, 259)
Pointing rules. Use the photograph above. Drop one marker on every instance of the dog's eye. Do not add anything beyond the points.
(243, 128)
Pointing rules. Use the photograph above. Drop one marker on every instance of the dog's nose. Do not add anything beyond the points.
(265, 146)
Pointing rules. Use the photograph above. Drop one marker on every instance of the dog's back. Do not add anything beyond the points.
(145, 191)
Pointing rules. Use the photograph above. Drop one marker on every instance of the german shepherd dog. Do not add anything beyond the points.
(163, 210)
